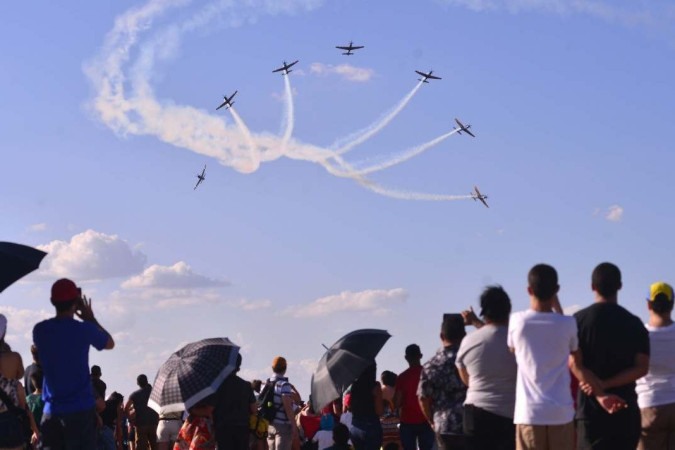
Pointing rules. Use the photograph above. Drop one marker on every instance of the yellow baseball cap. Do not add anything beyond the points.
(660, 288)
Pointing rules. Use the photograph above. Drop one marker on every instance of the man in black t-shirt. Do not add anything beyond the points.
(146, 419)
(615, 346)
(235, 403)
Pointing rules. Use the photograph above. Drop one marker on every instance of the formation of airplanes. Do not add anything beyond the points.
(228, 101)
(349, 48)
(201, 177)
(285, 69)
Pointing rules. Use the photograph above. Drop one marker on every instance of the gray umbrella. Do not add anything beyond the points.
(343, 362)
(192, 373)
(16, 261)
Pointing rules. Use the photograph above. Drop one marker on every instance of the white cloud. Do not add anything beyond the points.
(346, 71)
(178, 276)
(281, 96)
(624, 12)
(91, 255)
(614, 213)
(37, 227)
(376, 301)
(249, 305)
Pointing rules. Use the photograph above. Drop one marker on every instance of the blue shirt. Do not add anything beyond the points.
(63, 347)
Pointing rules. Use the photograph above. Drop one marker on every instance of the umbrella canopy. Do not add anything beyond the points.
(192, 373)
(17, 261)
(343, 362)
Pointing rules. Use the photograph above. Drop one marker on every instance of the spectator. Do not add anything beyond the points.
(656, 390)
(167, 429)
(489, 370)
(340, 438)
(197, 430)
(324, 436)
(146, 419)
(34, 400)
(414, 428)
(614, 346)
(391, 437)
(366, 406)
(234, 404)
(283, 429)
(31, 368)
(388, 379)
(441, 391)
(11, 371)
(96, 381)
(112, 417)
(69, 417)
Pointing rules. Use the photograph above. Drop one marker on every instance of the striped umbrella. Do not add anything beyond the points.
(192, 373)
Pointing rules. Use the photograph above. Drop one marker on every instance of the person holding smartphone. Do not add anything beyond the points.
(69, 417)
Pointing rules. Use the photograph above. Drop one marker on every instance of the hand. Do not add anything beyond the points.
(611, 403)
(592, 389)
(470, 317)
(84, 310)
(35, 438)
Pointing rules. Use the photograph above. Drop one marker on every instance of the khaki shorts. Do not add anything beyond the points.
(658, 427)
(545, 437)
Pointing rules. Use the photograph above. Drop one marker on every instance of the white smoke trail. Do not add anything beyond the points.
(289, 115)
(252, 147)
(138, 111)
(362, 136)
(405, 156)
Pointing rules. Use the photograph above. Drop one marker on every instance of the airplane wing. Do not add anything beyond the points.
(469, 133)
(292, 64)
(358, 47)
(198, 181)
(222, 104)
(459, 123)
(279, 69)
(344, 48)
(203, 170)
(421, 73)
(484, 202)
(433, 77)
(475, 188)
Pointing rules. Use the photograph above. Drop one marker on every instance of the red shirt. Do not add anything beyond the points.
(406, 385)
(310, 425)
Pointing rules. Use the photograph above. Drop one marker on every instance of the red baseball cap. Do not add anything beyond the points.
(64, 290)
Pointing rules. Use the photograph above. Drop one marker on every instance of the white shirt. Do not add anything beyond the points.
(542, 343)
(658, 386)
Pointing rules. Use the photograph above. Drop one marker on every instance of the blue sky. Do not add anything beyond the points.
(570, 102)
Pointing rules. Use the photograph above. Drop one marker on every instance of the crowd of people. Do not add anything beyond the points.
(532, 380)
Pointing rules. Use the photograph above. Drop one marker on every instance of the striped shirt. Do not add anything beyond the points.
(281, 387)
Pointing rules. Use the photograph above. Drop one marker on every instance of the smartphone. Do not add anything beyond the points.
(453, 317)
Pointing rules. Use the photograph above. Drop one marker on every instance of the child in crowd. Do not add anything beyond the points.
(340, 438)
(197, 430)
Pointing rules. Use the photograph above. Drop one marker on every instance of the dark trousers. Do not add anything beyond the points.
(418, 435)
(233, 437)
(487, 431)
(74, 431)
(366, 433)
(603, 431)
(450, 441)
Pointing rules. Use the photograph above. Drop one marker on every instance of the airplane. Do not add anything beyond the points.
(476, 195)
(464, 128)
(228, 101)
(427, 76)
(201, 177)
(286, 68)
(350, 48)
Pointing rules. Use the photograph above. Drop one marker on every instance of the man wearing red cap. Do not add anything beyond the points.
(69, 418)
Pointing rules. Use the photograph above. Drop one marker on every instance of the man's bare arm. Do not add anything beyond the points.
(464, 375)
(639, 370)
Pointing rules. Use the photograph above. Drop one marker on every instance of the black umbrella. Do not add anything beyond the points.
(17, 261)
(192, 373)
(343, 362)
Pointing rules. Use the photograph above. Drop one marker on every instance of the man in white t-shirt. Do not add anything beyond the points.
(656, 390)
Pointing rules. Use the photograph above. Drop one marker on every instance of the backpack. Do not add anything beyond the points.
(267, 409)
